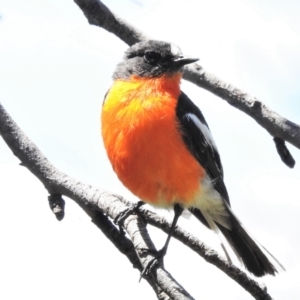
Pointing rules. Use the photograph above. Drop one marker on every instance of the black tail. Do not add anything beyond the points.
(246, 248)
(243, 245)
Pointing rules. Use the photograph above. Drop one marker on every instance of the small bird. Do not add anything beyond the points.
(162, 150)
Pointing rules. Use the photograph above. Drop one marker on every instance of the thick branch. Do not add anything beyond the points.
(125, 246)
(93, 201)
(96, 203)
(278, 127)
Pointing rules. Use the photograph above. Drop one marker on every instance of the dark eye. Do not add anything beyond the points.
(152, 57)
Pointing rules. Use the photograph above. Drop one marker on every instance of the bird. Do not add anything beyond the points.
(161, 148)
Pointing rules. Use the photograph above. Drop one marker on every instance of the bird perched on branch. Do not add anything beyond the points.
(162, 150)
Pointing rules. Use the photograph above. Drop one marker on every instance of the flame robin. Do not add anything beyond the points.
(162, 150)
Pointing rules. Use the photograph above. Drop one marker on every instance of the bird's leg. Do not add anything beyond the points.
(178, 209)
(120, 218)
(159, 255)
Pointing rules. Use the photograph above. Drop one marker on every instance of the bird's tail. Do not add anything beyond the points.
(247, 250)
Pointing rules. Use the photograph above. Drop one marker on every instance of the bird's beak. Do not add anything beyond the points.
(182, 61)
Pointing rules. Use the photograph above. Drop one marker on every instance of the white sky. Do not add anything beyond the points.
(54, 72)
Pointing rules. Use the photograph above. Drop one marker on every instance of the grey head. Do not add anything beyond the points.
(151, 59)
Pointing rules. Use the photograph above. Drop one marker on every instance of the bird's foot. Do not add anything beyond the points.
(120, 218)
(157, 259)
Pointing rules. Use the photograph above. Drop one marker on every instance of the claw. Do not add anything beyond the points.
(121, 217)
(158, 258)
(148, 269)
(159, 255)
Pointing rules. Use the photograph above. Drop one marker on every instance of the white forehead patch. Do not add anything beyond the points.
(175, 50)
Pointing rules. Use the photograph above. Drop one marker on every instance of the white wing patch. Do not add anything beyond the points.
(203, 128)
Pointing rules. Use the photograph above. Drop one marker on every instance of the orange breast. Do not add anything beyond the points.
(143, 141)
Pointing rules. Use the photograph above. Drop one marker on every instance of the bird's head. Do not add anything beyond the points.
(152, 59)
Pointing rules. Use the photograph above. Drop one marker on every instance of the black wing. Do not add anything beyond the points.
(197, 137)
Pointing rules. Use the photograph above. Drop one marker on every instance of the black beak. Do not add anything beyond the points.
(182, 61)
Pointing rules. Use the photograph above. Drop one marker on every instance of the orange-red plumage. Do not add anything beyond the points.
(144, 143)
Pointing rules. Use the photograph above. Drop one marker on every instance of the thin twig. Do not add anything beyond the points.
(284, 152)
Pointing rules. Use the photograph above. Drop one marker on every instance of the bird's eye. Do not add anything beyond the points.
(152, 57)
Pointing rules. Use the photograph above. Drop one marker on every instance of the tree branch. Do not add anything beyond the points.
(100, 205)
(205, 252)
(277, 126)
(98, 14)
(93, 201)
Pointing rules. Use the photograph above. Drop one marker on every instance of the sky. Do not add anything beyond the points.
(55, 70)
